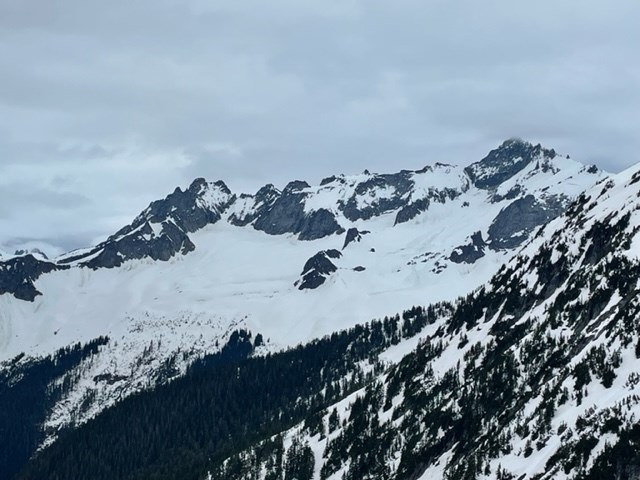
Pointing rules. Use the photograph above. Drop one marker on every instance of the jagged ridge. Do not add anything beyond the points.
(164, 229)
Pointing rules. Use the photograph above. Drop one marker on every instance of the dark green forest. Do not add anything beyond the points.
(27, 392)
(226, 402)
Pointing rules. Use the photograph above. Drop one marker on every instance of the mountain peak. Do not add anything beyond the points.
(200, 185)
(524, 185)
(36, 252)
(502, 163)
(296, 185)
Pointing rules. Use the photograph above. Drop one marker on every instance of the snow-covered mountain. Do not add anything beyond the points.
(412, 236)
(533, 376)
(292, 264)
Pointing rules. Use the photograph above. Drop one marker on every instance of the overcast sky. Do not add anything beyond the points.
(108, 105)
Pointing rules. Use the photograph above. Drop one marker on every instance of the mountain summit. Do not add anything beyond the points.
(311, 213)
(424, 226)
(344, 251)
(196, 274)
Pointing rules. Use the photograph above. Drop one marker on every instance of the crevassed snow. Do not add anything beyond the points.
(238, 271)
(238, 276)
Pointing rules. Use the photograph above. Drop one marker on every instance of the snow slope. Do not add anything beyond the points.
(229, 270)
(534, 376)
(237, 272)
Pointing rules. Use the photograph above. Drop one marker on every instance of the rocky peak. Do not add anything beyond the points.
(197, 184)
(353, 235)
(331, 179)
(162, 229)
(269, 191)
(505, 161)
(317, 269)
(36, 252)
(192, 209)
(18, 274)
(295, 186)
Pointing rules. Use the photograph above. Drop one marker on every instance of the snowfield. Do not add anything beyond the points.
(239, 277)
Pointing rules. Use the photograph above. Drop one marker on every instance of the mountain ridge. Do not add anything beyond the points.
(531, 376)
(192, 267)
(163, 229)
(532, 321)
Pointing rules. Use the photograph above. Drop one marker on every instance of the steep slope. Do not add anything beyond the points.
(203, 262)
(161, 231)
(205, 249)
(533, 376)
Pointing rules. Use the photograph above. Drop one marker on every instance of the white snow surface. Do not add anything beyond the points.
(238, 272)
(614, 196)
(241, 277)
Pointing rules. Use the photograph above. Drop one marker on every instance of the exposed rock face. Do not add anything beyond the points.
(470, 252)
(353, 235)
(201, 204)
(516, 221)
(161, 230)
(401, 185)
(504, 162)
(317, 269)
(255, 205)
(36, 252)
(513, 193)
(142, 244)
(412, 210)
(286, 214)
(331, 179)
(296, 186)
(318, 224)
(283, 216)
(18, 274)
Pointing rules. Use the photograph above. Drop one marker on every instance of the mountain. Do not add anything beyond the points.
(291, 265)
(533, 375)
(425, 228)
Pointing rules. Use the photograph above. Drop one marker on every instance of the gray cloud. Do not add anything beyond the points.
(109, 105)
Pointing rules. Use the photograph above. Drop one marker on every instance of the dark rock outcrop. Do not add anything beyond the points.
(317, 269)
(328, 180)
(18, 274)
(190, 210)
(401, 184)
(504, 162)
(284, 216)
(36, 252)
(296, 186)
(513, 193)
(517, 220)
(470, 252)
(412, 210)
(160, 231)
(262, 201)
(142, 244)
(353, 235)
(287, 215)
(319, 224)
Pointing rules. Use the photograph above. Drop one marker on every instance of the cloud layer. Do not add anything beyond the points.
(105, 106)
